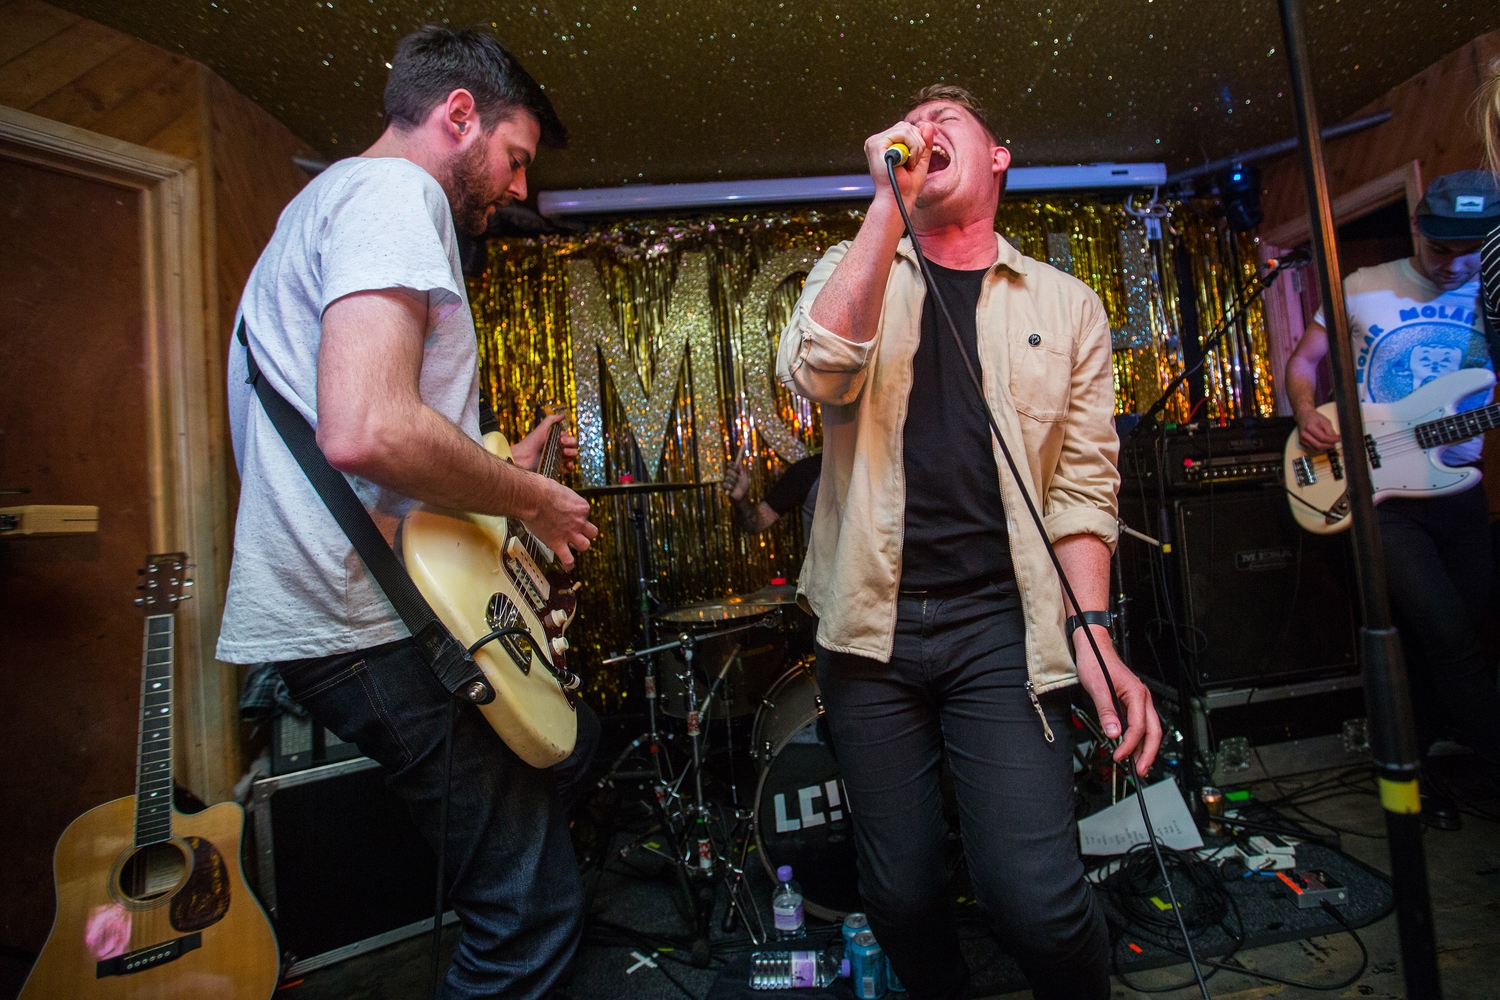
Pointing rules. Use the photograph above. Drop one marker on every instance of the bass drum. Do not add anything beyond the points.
(801, 810)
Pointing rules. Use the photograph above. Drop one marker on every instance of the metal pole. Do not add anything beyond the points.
(1393, 740)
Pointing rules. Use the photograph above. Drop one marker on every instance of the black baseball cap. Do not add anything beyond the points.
(1460, 206)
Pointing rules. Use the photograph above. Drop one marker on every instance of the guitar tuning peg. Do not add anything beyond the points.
(187, 583)
(140, 602)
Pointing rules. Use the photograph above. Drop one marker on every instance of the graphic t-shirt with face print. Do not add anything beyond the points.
(1406, 331)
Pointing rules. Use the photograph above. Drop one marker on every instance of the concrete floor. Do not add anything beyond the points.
(1464, 868)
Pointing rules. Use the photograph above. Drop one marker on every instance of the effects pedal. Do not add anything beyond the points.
(1313, 887)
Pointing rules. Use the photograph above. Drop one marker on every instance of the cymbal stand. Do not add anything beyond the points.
(699, 869)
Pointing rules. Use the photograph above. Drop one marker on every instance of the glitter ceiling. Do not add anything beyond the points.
(708, 89)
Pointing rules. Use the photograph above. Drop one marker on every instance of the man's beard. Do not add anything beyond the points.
(470, 202)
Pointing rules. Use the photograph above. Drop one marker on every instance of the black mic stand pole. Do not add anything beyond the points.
(1393, 741)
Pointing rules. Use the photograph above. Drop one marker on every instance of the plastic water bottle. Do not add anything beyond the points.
(786, 907)
(794, 970)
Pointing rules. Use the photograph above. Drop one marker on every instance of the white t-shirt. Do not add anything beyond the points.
(1406, 331)
(296, 586)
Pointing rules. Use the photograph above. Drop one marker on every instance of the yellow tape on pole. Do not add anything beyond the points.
(1400, 796)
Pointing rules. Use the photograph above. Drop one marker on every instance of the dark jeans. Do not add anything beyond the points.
(512, 876)
(954, 685)
(1438, 566)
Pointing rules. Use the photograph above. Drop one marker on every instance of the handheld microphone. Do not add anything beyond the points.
(1300, 257)
(897, 153)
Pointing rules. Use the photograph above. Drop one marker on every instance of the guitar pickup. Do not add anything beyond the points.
(1336, 464)
(1372, 451)
(147, 958)
(1302, 468)
(527, 574)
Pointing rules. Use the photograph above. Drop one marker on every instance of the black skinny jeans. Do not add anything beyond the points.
(1438, 566)
(512, 876)
(955, 685)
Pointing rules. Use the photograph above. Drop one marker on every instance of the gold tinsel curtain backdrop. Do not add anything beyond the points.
(660, 336)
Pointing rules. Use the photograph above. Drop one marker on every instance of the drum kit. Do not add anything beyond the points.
(727, 662)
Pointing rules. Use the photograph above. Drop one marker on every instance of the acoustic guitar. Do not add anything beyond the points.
(152, 903)
(1404, 443)
(481, 573)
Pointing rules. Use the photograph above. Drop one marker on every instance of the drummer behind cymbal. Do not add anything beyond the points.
(797, 487)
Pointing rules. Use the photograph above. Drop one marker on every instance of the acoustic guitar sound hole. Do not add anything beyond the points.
(152, 872)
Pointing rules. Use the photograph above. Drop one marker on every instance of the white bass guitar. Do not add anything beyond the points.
(1403, 442)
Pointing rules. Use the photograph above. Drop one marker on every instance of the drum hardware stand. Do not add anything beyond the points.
(699, 864)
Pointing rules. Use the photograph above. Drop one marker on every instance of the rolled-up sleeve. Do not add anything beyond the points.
(1081, 497)
(812, 360)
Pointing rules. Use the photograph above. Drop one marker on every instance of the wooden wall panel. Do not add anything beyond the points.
(75, 71)
(1429, 122)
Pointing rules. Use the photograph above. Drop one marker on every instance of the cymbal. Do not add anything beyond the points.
(718, 610)
(776, 593)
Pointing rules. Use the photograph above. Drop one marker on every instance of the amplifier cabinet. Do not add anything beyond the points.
(340, 866)
(1259, 601)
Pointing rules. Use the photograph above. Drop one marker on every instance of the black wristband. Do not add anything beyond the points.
(1076, 622)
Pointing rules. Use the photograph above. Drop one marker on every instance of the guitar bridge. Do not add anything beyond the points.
(1372, 451)
(147, 958)
(1302, 468)
(501, 613)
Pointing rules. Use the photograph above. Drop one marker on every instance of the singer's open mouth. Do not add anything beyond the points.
(939, 160)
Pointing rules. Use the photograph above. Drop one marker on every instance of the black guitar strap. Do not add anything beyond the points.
(450, 662)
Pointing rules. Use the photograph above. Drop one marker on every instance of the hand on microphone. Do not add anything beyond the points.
(911, 176)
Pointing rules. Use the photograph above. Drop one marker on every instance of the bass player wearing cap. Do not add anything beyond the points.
(1411, 321)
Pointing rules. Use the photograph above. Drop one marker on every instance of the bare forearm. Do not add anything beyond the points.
(417, 452)
(1302, 384)
(849, 303)
(1085, 559)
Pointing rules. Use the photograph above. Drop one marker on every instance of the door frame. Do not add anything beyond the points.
(186, 470)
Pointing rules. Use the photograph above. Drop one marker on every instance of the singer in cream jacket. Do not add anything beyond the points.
(1044, 355)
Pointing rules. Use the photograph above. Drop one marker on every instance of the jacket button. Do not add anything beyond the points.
(1034, 339)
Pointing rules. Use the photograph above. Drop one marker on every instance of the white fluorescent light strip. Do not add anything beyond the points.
(844, 187)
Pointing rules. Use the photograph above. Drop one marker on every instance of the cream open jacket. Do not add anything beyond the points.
(1044, 352)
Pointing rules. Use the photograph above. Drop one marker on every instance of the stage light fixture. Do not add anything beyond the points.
(1239, 188)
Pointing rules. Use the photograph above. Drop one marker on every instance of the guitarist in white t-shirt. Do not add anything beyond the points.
(358, 317)
(1412, 321)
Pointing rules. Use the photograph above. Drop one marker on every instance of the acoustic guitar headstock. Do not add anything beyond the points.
(165, 583)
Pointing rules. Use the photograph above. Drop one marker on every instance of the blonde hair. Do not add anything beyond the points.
(1487, 111)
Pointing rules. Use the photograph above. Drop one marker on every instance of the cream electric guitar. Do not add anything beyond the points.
(481, 573)
(1403, 442)
(151, 903)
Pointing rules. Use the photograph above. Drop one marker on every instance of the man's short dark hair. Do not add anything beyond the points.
(953, 94)
(433, 62)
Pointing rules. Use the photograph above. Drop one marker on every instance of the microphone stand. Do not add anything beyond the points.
(1193, 767)
(1393, 740)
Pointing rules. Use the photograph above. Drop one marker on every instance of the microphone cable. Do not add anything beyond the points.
(894, 156)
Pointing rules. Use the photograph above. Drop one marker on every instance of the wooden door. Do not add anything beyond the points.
(73, 430)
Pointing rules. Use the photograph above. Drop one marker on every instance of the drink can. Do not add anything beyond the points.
(853, 924)
(867, 972)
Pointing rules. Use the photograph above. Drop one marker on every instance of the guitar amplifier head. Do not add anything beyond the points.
(1198, 457)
